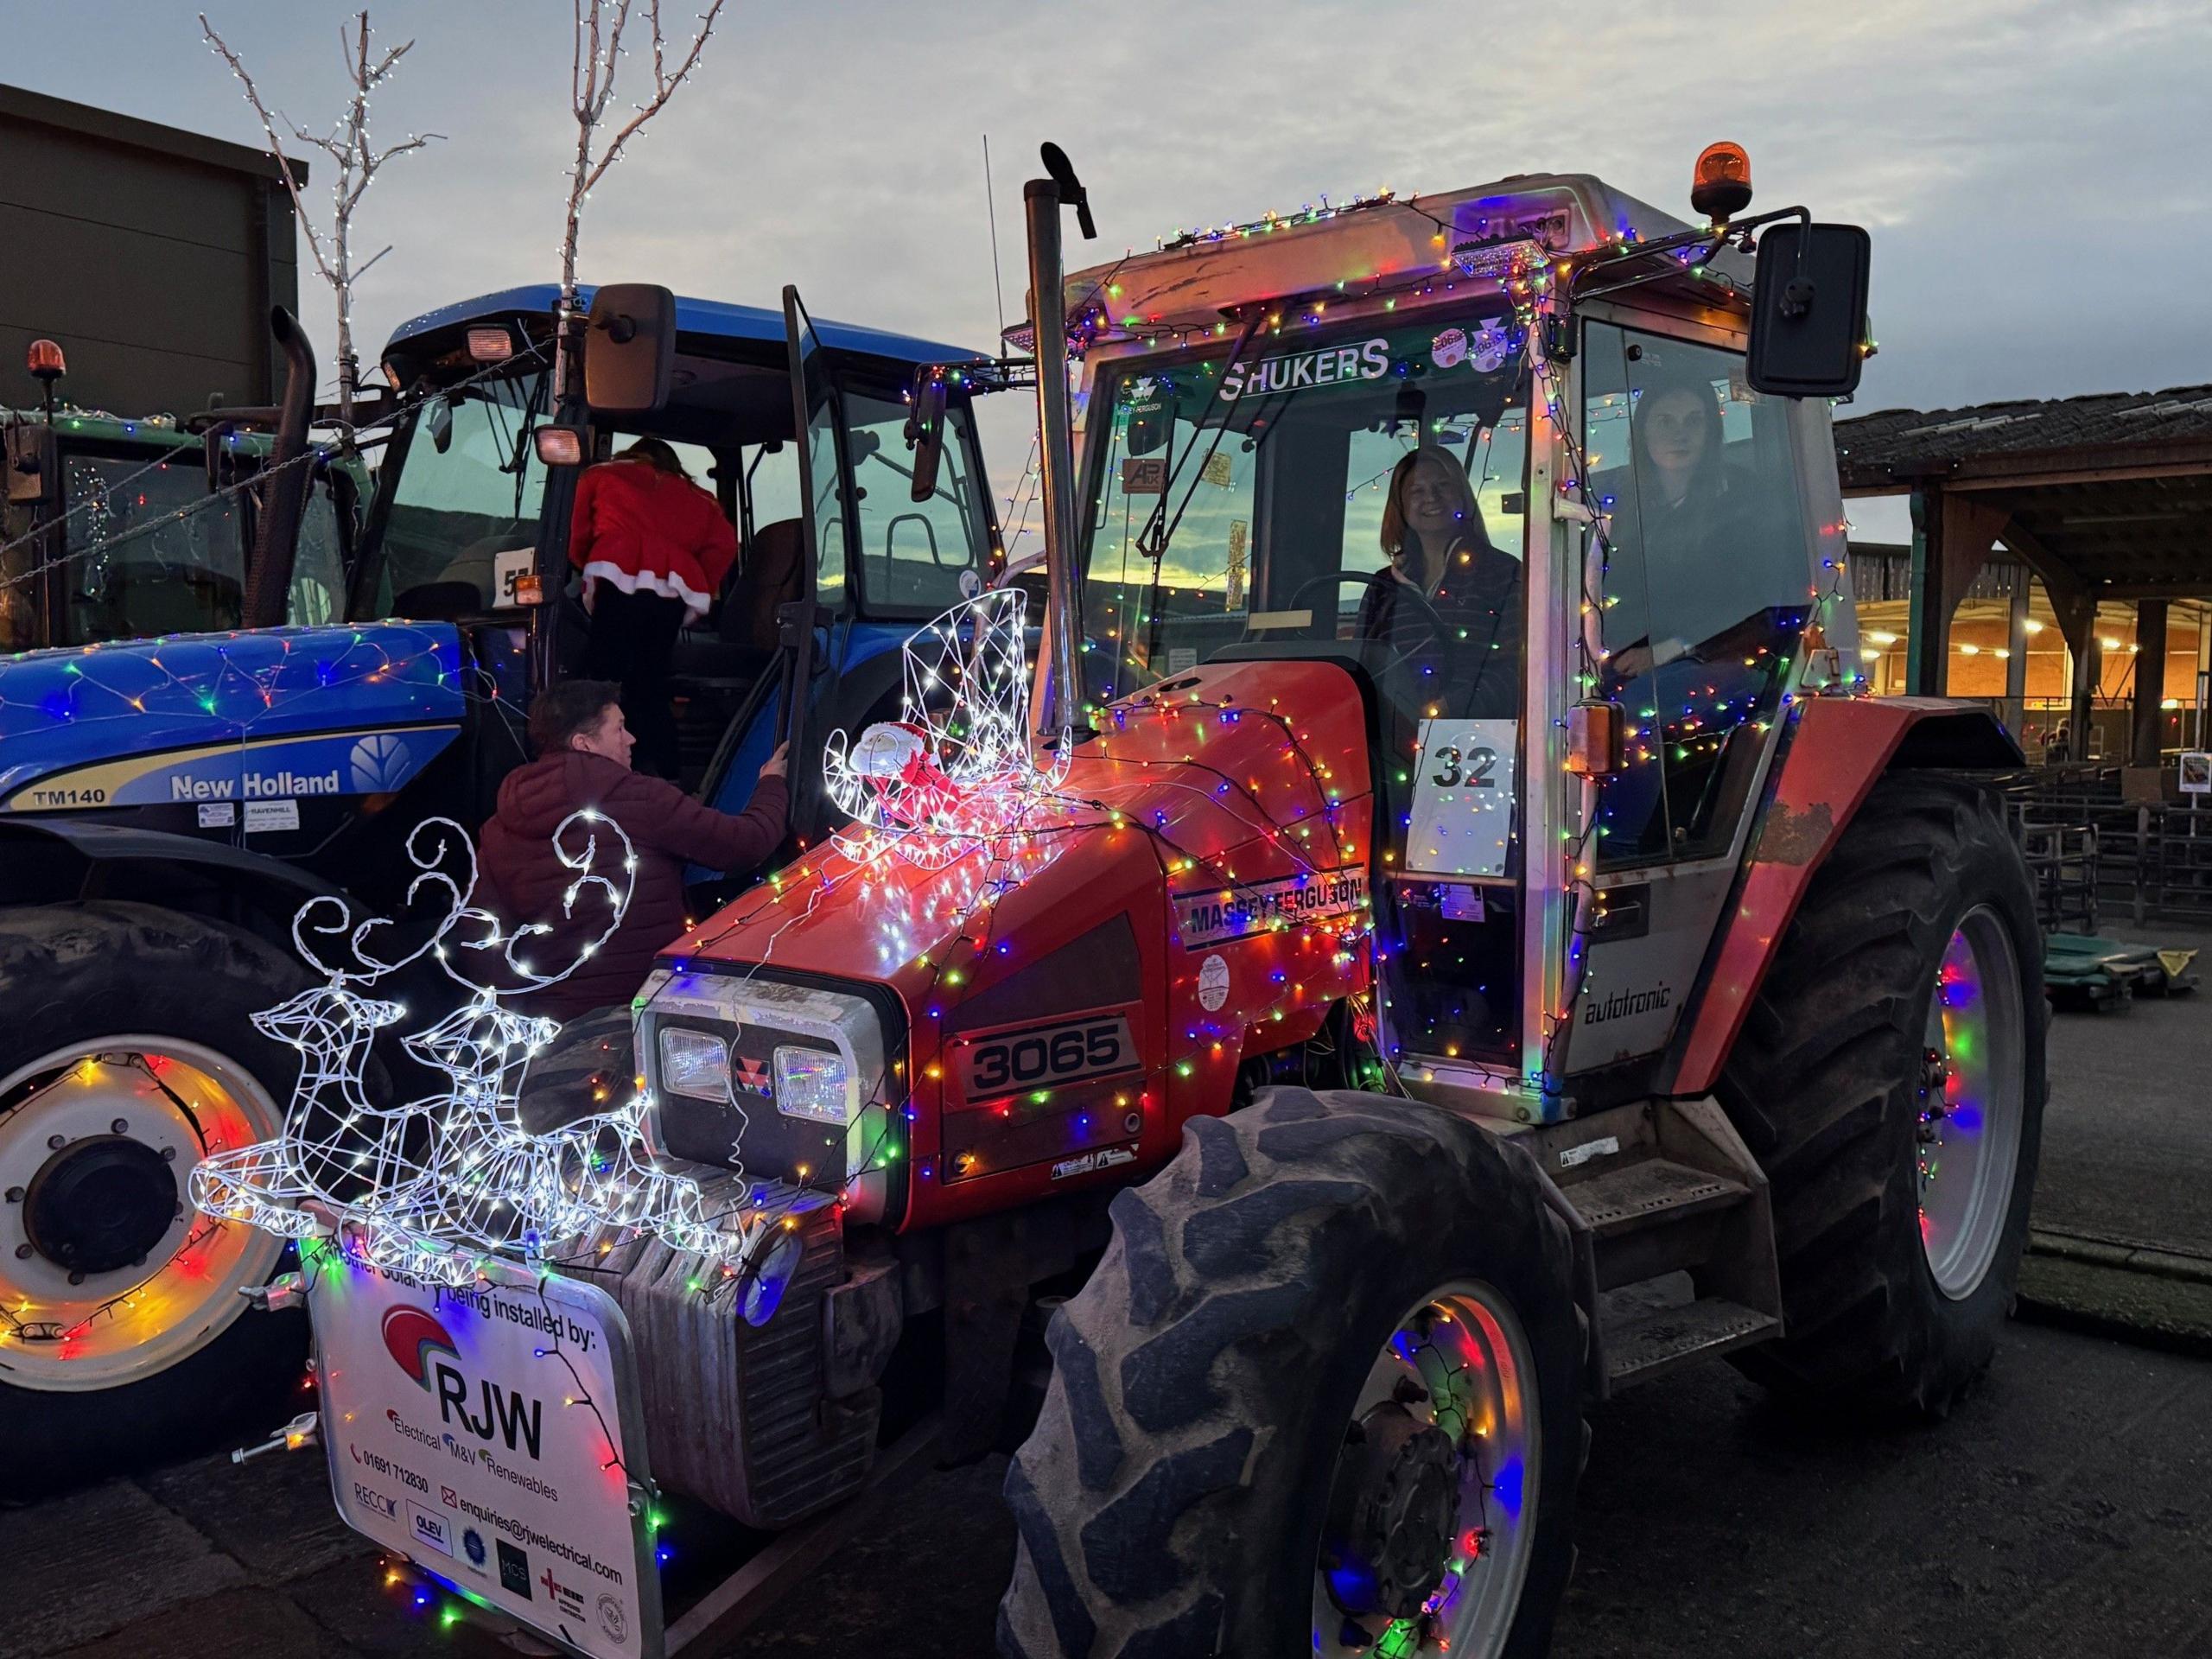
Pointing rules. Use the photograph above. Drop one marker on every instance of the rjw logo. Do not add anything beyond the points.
(423, 1348)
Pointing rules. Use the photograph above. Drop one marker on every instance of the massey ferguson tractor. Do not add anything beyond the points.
(1457, 942)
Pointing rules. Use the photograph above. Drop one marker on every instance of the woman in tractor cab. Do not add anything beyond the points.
(653, 548)
(1449, 598)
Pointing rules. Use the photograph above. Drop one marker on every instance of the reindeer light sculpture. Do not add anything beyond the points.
(433, 1185)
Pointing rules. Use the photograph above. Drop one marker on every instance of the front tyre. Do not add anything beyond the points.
(1322, 1396)
(1890, 1081)
(127, 1055)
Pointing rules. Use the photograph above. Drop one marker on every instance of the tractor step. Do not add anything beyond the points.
(1674, 1234)
(1655, 1343)
(1621, 1200)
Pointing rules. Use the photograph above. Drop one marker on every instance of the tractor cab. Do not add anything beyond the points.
(121, 528)
(470, 521)
(1332, 434)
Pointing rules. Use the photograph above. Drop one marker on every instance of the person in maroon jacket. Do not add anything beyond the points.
(652, 547)
(583, 760)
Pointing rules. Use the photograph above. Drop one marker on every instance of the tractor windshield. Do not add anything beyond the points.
(466, 489)
(1364, 486)
(148, 550)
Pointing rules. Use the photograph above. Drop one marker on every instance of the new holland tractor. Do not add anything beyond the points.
(1482, 951)
(224, 702)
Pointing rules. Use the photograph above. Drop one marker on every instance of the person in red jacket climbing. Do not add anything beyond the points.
(583, 760)
(653, 548)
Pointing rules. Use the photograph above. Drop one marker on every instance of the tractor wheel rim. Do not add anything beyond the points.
(1456, 1380)
(1972, 1103)
(96, 1290)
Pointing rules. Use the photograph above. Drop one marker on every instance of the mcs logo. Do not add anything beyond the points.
(423, 1348)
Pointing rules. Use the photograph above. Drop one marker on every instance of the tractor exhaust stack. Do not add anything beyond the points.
(1056, 703)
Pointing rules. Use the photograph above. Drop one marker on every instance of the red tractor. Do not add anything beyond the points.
(1483, 951)
(1474, 947)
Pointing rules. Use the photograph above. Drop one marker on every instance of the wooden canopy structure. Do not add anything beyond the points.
(2106, 497)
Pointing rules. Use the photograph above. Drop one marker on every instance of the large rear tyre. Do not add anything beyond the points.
(1890, 1080)
(127, 1054)
(1322, 1396)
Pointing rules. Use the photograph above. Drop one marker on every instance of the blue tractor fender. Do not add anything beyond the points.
(45, 860)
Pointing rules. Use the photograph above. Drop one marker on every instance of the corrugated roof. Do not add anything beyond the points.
(1916, 438)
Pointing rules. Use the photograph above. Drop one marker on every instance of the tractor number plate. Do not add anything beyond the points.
(1039, 1057)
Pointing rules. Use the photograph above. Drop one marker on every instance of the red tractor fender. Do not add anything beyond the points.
(1836, 750)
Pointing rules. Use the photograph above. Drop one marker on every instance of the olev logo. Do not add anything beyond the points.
(423, 1348)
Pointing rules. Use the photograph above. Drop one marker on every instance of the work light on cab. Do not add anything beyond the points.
(1721, 187)
(492, 345)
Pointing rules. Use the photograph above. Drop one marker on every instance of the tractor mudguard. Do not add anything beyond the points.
(1835, 750)
(54, 860)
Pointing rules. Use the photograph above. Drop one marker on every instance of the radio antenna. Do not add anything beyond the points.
(991, 206)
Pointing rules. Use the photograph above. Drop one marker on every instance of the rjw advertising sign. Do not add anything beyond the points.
(481, 1433)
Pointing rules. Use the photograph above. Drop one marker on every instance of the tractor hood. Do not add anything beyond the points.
(215, 718)
(1200, 795)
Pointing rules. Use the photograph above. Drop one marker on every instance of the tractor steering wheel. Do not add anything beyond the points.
(1428, 615)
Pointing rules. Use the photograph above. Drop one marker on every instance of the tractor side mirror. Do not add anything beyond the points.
(926, 434)
(629, 348)
(1808, 310)
(440, 420)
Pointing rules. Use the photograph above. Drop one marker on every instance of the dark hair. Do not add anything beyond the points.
(660, 457)
(1394, 507)
(562, 711)
(1695, 386)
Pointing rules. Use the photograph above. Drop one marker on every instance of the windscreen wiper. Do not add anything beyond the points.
(1153, 536)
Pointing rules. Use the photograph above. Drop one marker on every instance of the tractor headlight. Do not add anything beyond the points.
(694, 1063)
(813, 1084)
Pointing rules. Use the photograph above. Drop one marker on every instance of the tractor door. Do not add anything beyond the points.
(822, 519)
(1715, 571)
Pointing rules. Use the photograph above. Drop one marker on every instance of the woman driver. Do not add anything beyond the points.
(1432, 534)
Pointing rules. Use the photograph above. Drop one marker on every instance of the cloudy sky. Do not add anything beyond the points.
(2034, 171)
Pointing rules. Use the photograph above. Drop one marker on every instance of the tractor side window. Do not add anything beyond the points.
(913, 553)
(150, 551)
(1707, 587)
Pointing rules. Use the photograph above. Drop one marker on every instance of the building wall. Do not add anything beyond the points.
(151, 254)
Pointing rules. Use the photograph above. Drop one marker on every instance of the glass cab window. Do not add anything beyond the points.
(1708, 584)
(1367, 490)
(468, 489)
(1360, 495)
(913, 554)
(149, 552)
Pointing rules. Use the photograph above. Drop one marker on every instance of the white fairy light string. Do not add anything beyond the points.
(435, 1186)
(956, 771)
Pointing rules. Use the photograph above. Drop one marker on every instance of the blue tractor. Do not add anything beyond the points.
(167, 803)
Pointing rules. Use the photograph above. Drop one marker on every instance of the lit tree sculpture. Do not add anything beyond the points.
(597, 54)
(359, 160)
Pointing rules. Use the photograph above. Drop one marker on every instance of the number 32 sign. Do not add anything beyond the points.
(1462, 798)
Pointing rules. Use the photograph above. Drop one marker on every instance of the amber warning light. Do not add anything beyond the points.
(1721, 187)
(45, 361)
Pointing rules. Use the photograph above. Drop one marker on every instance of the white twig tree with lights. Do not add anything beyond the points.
(358, 161)
(597, 54)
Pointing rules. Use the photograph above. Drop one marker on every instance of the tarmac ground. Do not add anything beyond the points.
(2065, 1508)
